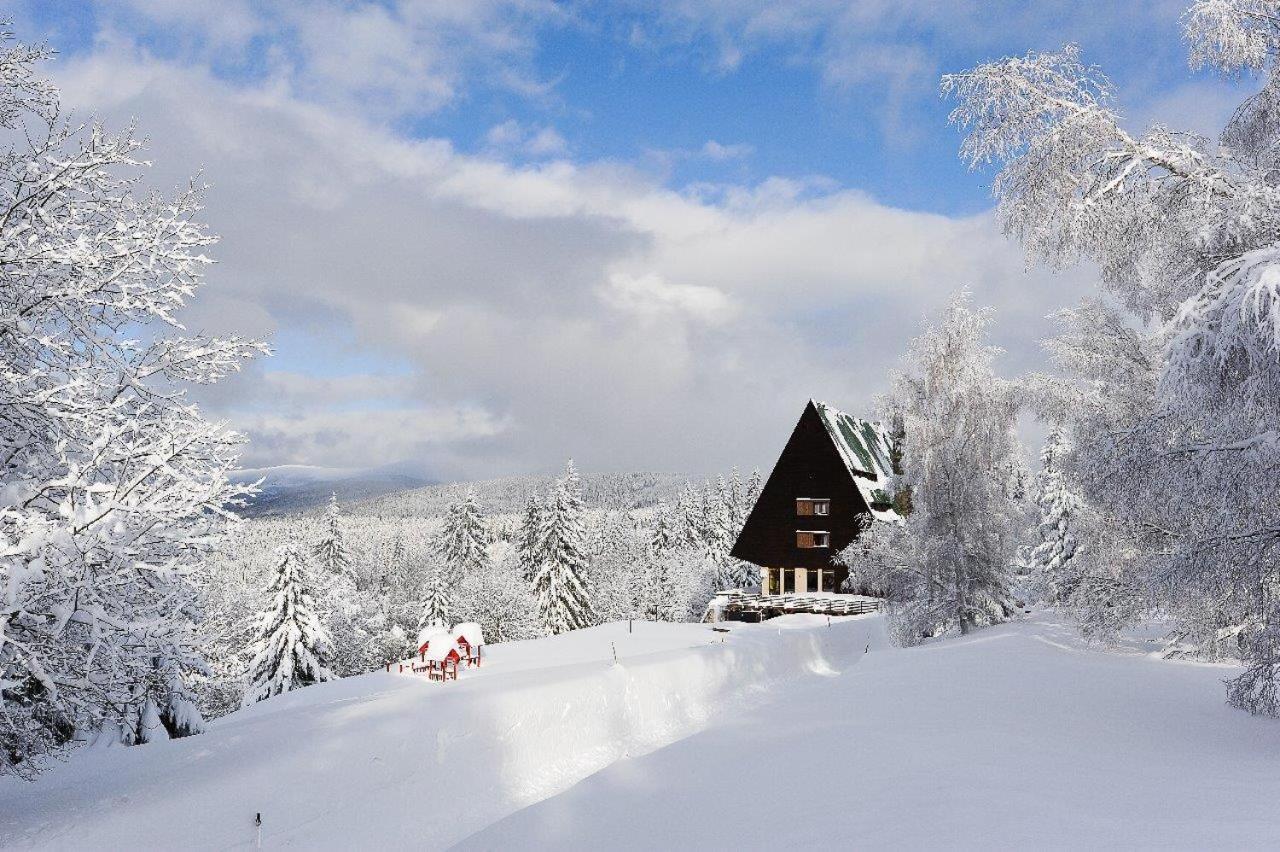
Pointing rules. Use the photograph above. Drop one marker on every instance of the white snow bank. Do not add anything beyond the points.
(391, 759)
(1015, 737)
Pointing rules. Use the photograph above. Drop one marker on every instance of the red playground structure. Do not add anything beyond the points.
(442, 651)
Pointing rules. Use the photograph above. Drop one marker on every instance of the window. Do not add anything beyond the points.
(809, 506)
(812, 538)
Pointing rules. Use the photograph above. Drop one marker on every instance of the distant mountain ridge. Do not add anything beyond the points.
(621, 491)
(289, 489)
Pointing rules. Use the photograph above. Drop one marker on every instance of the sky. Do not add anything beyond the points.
(484, 236)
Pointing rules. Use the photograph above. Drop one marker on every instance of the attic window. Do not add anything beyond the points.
(808, 539)
(808, 506)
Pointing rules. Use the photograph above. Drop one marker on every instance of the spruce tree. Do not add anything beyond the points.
(752, 493)
(529, 538)
(437, 602)
(292, 649)
(1051, 558)
(464, 540)
(689, 518)
(331, 551)
(560, 580)
(664, 536)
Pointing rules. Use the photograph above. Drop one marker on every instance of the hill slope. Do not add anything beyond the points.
(395, 760)
(789, 733)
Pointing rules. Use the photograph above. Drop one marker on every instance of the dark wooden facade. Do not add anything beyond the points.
(811, 467)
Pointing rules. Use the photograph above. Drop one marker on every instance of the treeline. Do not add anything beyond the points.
(370, 585)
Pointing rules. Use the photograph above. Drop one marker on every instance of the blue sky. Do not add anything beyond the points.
(484, 236)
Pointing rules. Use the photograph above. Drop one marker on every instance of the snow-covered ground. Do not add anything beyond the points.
(788, 733)
(396, 759)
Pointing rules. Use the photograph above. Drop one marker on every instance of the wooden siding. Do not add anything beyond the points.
(810, 467)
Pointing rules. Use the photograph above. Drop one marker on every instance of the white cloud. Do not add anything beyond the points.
(651, 297)
(713, 150)
(381, 59)
(511, 138)
(545, 310)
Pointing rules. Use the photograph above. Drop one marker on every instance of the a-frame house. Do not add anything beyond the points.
(830, 481)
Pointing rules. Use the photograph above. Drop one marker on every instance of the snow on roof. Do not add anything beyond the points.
(429, 632)
(864, 448)
(470, 631)
(437, 651)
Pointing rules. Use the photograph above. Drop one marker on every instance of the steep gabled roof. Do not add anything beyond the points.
(864, 448)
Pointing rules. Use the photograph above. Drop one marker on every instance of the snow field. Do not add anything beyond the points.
(396, 759)
(1016, 737)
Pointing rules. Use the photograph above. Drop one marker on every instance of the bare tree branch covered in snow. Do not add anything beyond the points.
(1178, 418)
(112, 485)
(949, 566)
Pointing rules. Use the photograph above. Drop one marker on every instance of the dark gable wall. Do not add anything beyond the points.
(810, 466)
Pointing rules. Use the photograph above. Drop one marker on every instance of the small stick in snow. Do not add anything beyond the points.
(257, 821)
(615, 653)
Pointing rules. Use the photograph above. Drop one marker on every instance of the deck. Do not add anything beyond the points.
(748, 606)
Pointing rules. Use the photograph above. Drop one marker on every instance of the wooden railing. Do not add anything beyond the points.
(769, 605)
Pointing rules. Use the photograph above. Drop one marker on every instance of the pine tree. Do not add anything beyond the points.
(559, 582)
(331, 551)
(1051, 558)
(292, 648)
(394, 572)
(689, 518)
(664, 536)
(529, 538)
(437, 601)
(752, 493)
(733, 497)
(464, 540)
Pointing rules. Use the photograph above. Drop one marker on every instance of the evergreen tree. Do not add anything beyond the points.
(664, 535)
(1051, 558)
(738, 506)
(464, 540)
(437, 602)
(331, 551)
(529, 538)
(394, 572)
(291, 650)
(689, 518)
(660, 598)
(753, 490)
(559, 581)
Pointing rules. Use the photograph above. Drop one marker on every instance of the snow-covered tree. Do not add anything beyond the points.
(949, 567)
(112, 485)
(752, 492)
(499, 599)
(617, 570)
(688, 518)
(559, 583)
(529, 537)
(1179, 462)
(663, 535)
(1050, 560)
(330, 551)
(464, 539)
(291, 650)
(437, 600)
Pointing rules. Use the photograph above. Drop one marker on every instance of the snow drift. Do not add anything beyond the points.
(395, 759)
